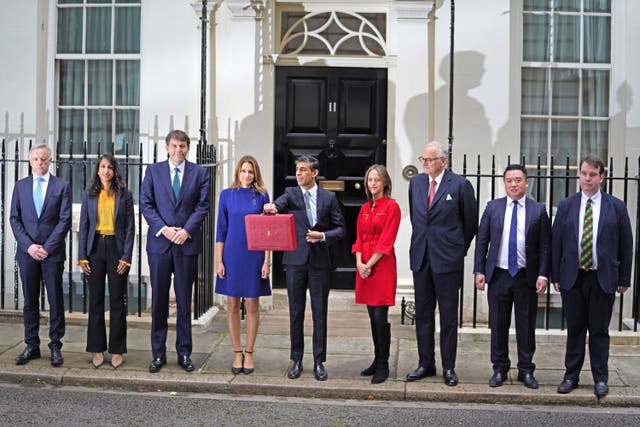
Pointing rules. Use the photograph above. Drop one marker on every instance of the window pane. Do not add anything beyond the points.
(597, 39)
(597, 5)
(98, 1)
(71, 83)
(70, 30)
(595, 138)
(127, 1)
(71, 129)
(564, 141)
(595, 93)
(567, 5)
(98, 30)
(127, 125)
(566, 42)
(537, 4)
(534, 140)
(565, 92)
(100, 128)
(100, 82)
(127, 30)
(69, 1)
(127, 82)
(535, 91)
(535, 42)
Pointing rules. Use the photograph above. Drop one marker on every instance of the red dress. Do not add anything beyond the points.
(377, 229)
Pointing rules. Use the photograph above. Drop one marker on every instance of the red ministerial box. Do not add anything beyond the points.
(271, 232)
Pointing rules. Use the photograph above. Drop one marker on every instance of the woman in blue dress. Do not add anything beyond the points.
(241, 273)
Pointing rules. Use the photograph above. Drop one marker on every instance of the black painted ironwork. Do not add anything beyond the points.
(131, 166)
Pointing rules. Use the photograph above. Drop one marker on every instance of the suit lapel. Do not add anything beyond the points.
(604, 211)
(575, 208)
(502, 207)
(50, 189)
(186, 180)
(440, 189)
(528, 212)
(165, 180)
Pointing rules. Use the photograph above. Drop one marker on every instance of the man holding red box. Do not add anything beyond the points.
(319, 223)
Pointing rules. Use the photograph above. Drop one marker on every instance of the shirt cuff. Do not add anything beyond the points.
(159, 233)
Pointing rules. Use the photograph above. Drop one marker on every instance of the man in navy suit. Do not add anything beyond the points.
(40, 219)
(444, 220)
(174, 200)
(592, 252)
(319, 223)
(513, 256)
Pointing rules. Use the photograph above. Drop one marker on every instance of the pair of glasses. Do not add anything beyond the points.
(428, 159)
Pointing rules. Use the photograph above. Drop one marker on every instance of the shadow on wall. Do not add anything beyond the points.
(471, 132)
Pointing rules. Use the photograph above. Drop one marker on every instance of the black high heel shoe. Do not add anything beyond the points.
(234, 370)
(247, 370)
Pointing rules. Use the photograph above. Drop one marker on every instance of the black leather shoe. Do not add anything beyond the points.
(295, 370)
(601, 389)
(185, 363)
(497, 379)
(319, 372)
(56, 357)
(566, 386)
(450, 377)
(157, 364)
(529, 380)
(29, 353)
(421, 372)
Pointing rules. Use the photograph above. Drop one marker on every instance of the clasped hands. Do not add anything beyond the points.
(37, 252)
(177, 235)
(363, 270)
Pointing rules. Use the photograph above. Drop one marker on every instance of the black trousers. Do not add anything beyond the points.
(445, 290)
(31, 273)
(104, 260)
(587, 308)
(506, 292)
(299, 278)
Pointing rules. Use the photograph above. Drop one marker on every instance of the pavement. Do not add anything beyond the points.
(350, 350)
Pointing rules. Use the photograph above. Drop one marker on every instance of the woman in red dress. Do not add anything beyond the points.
(376, 279)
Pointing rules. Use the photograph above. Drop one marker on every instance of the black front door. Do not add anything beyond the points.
(339, 116)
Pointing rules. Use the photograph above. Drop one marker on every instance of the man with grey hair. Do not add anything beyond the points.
(444, 220)
(40, 219)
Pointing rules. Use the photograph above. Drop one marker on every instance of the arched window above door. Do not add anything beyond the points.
(332, 33)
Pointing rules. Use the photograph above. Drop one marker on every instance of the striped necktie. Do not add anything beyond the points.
(586, 243)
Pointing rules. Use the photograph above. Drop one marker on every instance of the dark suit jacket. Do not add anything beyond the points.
(537, 240)
(614, 243)
(329, 220)
(159, 207)
(445, 231)
(124, 224)
(50, 230)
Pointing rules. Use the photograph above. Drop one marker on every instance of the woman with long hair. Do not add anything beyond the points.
(241, 273)
(105, 246)
(376, 277)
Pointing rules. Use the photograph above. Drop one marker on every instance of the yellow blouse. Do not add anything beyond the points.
(105, 223)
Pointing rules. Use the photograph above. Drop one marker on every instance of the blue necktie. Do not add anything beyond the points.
(176, 182)
(307, 203)
(513, 241)
(37, 195)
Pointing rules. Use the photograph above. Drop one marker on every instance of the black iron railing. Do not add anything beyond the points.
(74, 163)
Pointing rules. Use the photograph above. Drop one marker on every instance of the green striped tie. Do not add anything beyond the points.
(586, 244)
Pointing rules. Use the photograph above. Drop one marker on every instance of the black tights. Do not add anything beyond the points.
(378, 317)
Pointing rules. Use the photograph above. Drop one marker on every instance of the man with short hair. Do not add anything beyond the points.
(592, 253)
(174, 200)
(319, 223)
(513, 256)
(40, 219)
(444, 220)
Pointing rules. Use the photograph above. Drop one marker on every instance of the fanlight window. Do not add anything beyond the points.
(333, 33)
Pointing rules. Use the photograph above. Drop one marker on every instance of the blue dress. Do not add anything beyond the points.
(242, 266)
